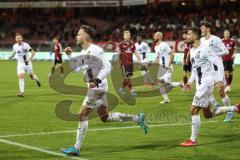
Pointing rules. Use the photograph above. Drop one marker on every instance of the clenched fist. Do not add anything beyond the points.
(68, 50)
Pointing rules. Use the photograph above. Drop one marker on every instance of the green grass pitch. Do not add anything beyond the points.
(22, 119)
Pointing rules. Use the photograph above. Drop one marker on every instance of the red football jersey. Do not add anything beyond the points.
(230, 44)
(186, 48)
(126, 52)
(57, 50)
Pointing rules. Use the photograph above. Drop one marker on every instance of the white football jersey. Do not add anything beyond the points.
(202, 60)
(163, 53)
(216, 45)
(21, 51)
(142, 48)
(93, 63)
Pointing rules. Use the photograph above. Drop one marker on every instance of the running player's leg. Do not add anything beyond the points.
(146, 76)
(62, 69)
(21, 84)
(223, 95)
(21, 73)
(33, 76)
(201, 100)
(120, 117)
(52, 70)
(163, 90)
(61, 66)
(81, 132)
(196, 122)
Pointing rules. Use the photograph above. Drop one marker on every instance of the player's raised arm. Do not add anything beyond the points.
(73, 62)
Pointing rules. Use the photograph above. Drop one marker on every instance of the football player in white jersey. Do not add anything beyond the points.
(203, 61)
(96, 68)
(218, 48)
(164, 57)
(143, 48)
(24, 64)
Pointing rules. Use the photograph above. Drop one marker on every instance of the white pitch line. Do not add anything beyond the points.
(99, 129)
(38, 149)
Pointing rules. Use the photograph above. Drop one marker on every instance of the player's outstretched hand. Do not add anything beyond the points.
(68, 50)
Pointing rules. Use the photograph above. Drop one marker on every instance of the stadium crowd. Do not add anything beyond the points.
(40, 25)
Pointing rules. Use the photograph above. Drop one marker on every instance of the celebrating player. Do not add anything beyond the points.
(127, 49)
(164, 56)
(203, 61)
(186, 61)
(143, 48)
(58, 56)
(228, 59)
(21, 50)
(96, 76)
(218, 48)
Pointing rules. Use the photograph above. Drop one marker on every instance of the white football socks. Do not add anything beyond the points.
(221, 110)
(213, 101)
(121, 117)
(81, 131)
(21, 85)
(226, 101)
(196, 122)
(175, 84)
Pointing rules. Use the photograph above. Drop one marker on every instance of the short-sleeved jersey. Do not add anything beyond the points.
(202, 60)
(126, 53)
(215, 44)
(93, 63)
(230, 44)
(163, 53)
(57, 50)
(21, 51)
(142, 48)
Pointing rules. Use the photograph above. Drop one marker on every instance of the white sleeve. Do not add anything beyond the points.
(193, 76)
(106, 66)
(168, 49)
(214, 59)
(148, 49)
(222, 47)
(13, 49)
(28, 47)
(74, 63)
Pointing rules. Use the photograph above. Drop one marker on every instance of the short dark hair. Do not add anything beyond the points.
(206, 24)
(89, 30)
(196, 30)
(126, 30)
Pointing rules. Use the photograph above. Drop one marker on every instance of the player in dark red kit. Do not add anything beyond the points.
(57, 49)
(228, 59)
(186, 61)
(127, 49)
